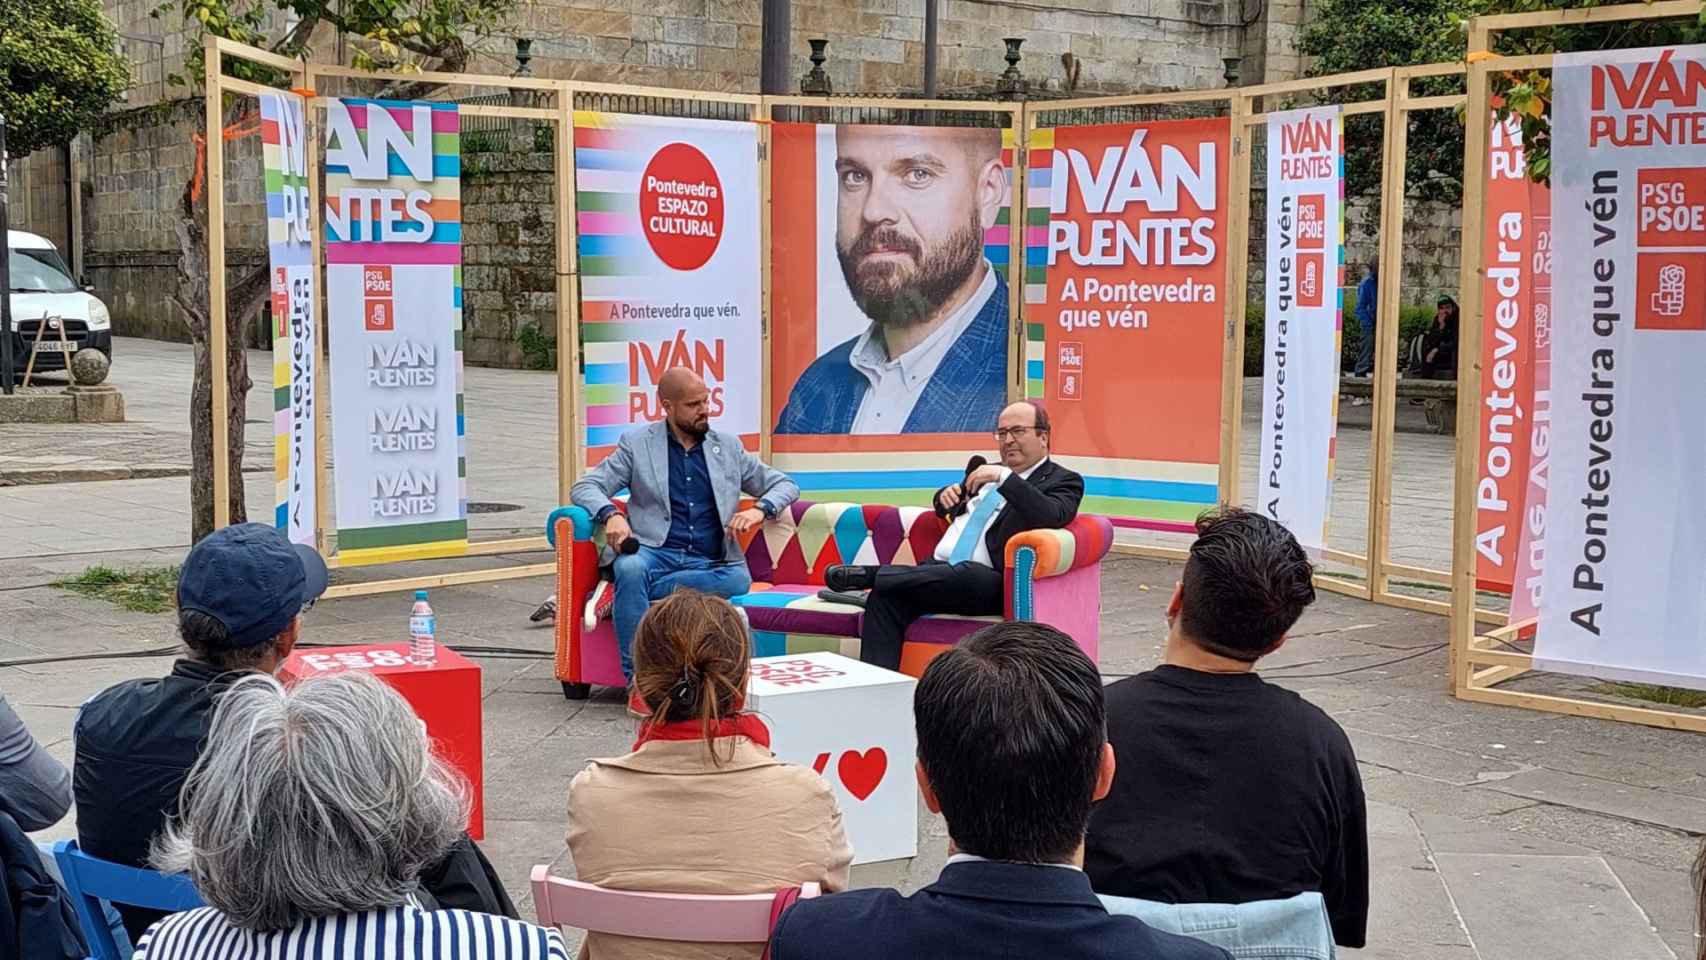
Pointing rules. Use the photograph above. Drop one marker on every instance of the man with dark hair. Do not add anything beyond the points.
(1012, 752)
(241, 595)
(912, 206)
(1025, 491)
(1232, 789)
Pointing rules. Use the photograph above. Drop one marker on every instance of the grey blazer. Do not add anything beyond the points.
(640, 465)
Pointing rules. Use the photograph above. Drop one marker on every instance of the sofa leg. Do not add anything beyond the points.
(577, 691)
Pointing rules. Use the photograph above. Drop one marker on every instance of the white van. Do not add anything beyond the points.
(46, 298)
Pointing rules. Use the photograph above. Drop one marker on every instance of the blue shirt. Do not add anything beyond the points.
(1367, 292)
(693, 522)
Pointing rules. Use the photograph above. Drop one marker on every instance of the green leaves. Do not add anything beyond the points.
(58, 73)
(399, 35)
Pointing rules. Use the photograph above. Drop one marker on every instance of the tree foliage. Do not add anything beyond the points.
(1528, 93)
(59, 70)
(395, 35)
(1350, 35)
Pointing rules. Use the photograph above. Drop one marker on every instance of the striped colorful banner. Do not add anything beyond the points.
(295, 339)
(667, 217)
(394, 311)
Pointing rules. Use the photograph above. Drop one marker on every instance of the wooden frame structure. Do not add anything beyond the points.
(1021, 118)
(303, 77)
(1480, 662)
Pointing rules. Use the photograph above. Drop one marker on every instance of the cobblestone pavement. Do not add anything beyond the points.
(1496, 833)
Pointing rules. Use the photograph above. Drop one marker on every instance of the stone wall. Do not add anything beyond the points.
(132, 175)
(509, 255)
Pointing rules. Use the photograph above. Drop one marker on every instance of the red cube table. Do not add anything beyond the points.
(445, 694)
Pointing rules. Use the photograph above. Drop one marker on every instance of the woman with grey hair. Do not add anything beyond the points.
(305, 825)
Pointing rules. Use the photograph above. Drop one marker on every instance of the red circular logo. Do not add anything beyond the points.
(681, 206)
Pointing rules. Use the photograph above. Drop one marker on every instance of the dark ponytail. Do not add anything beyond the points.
(691, 657)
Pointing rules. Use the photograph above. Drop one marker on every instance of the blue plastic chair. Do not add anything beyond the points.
(90, 881)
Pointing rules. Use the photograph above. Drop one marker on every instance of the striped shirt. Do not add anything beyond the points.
(396, 933)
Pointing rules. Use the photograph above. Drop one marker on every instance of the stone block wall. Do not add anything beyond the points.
(509, 254)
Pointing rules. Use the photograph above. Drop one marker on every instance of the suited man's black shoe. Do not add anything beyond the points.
(842, 577)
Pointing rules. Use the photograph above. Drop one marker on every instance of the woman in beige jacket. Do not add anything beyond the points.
(701, 805)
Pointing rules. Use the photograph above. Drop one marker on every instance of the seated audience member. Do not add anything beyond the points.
(241, 594)
(1231, 789)
(700, 806)
(35, 789)
(1025, 491)
(305, 826)
(1012, 752)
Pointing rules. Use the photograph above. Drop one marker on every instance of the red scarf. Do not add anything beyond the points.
(740, 725)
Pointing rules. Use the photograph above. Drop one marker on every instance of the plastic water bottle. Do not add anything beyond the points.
(423, 627)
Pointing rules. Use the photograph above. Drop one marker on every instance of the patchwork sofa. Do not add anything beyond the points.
(1053, 577)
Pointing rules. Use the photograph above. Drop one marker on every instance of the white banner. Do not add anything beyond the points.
(1300, 379)
(394, 318)
(1623, 591)
(294, 343)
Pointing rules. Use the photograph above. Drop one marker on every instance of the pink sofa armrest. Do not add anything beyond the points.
(1051, 553)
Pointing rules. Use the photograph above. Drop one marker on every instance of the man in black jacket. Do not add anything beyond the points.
(1012, 752)
(1232, 789)
(241, 595)
(1025, 491)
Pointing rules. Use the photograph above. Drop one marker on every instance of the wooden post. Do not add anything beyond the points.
(568, 299)
(1394, 157)
(219, 372)
(568, 396)
(1468, 363)
(1237, 292)
(311, 148)
(1018, 121)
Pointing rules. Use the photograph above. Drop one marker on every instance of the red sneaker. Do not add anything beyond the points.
(636, 706)
(599, 604)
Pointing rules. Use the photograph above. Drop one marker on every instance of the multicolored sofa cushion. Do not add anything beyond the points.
(1053, 576)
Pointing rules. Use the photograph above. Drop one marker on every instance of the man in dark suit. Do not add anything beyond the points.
(1025, 491)
(1012, 752)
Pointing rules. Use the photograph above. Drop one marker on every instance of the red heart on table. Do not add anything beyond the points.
(861, 772)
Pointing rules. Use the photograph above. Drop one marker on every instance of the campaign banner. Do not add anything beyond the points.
(295, 346)
(1531, 540)
(891, 321)
(1625, 541)
(668, 228)
(1129, 311)
(394, 319)
(1304, 320)
(1507, 342)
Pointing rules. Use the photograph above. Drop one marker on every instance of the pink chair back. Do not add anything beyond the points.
(681, 917)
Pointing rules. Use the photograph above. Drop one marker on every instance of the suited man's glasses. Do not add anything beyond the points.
(1014, 433)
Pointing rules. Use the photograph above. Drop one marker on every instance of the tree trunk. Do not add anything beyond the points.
(243, 299)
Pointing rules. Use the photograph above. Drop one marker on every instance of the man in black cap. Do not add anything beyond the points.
(241, 595)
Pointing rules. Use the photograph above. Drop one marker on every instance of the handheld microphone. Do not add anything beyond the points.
(972, 465)
(629, 546)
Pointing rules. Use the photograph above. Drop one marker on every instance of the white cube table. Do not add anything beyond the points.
(852, 723)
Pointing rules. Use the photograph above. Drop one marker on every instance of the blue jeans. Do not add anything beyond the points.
(654, 573)
(1365, 351)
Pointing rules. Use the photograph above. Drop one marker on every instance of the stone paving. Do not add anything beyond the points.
(1496, 833)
